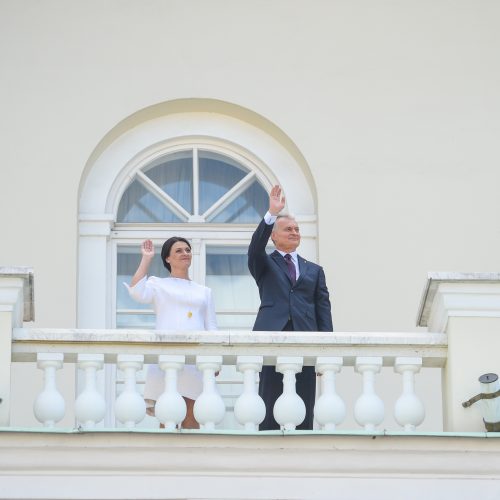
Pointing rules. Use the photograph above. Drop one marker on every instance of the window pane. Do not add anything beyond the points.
(174, 174)
(249, 207)
(233, 287)
(139, 205)
(235, 321)
(143, 321)
(218, 174)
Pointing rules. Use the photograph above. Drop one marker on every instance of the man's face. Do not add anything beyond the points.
(286, 234)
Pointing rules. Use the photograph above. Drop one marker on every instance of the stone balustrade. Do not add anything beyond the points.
(248, 351)
(463, 309)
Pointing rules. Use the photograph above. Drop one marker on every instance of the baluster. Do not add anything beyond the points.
(289, 409)
(209, 408)
(171, 408)
(409, 410)
(329, 409)
(249, 408)
(90, 406)
(130, 407)
(49, 406)
(369, 408)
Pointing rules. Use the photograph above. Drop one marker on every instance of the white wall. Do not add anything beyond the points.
(394, 105)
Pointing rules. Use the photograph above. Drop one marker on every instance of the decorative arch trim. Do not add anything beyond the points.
(161, 128)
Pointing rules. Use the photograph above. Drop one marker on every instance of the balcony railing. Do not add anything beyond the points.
(463, 310)
(330, 353)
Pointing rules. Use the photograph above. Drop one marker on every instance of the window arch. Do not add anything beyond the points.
(193, 185)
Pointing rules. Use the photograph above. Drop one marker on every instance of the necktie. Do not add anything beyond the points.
(291, 268)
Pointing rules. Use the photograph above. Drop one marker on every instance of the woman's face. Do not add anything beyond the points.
(180, 256)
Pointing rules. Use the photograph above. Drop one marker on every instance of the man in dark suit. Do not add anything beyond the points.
(293, 296)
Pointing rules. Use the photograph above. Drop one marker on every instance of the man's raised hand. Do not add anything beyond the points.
(276, 201)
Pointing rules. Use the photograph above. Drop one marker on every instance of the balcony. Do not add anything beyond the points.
(379, 433)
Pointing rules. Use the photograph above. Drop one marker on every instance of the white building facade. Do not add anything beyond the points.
(126, 120)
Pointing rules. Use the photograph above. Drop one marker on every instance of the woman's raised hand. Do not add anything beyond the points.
(148, 249)
(148, 252)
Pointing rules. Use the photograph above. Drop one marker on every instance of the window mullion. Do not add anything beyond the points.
(233, 193)
(154, 189)
(196, 183)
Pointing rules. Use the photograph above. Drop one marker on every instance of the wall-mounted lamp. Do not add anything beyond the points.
(490, 405)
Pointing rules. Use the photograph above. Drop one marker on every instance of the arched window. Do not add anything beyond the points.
(192, 191)
(197, 168)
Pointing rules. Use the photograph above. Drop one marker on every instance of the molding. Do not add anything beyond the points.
(12, 279)
(95, 224)
(109, 173)
(458, 295)
(110, 465)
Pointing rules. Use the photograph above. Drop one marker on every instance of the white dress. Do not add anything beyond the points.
(179, 304)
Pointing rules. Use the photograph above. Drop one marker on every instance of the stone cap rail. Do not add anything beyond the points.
(431, 347)
(26, 275)
(475, 282)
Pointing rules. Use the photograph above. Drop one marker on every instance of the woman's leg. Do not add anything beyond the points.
(190, 422)
(150, 407)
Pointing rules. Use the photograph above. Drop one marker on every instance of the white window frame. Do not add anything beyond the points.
(195, 227)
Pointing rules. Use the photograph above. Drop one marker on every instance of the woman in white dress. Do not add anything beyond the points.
(179, 304)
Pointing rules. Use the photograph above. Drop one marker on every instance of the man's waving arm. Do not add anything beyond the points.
(257, 250)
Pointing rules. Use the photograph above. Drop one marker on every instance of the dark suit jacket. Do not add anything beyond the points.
(306, 303)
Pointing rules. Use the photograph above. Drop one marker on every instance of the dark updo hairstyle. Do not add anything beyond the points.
(167, 246)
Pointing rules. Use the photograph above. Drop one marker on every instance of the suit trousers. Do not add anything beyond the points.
(271, 388)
